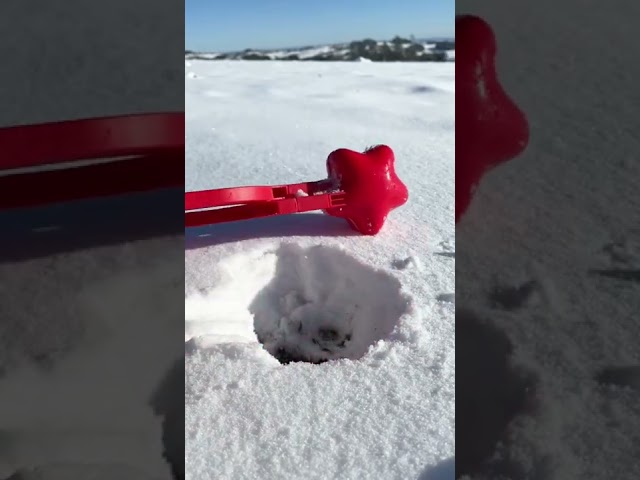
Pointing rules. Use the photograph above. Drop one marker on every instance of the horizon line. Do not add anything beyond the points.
(417, 37)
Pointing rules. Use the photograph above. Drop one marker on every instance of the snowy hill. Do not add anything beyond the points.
(397, 49)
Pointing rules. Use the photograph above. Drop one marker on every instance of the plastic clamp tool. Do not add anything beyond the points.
(361, 188)
(97, 157)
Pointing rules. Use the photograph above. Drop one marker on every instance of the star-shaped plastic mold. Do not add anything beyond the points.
(490, 128)
(371, 186)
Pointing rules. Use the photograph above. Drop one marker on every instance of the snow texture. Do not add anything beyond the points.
(567, 206)
(52, 408)
(315, 352)
(63, 316)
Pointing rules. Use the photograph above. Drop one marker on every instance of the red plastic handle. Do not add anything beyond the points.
(107, 137)
(33, 158)
(238, 195)
(258, 202)
(227, 196)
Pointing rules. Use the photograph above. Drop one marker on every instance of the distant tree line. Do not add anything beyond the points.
(399, 49)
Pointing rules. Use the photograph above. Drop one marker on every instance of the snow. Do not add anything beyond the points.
(65, 398)
(51, 418)
(308, 287)
(208, 56)
(302, 53)
(279, 54)
(566, 206)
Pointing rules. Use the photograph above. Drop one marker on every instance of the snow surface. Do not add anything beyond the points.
(306, 286)
(58, 415)
(63, 316)
(567, 205)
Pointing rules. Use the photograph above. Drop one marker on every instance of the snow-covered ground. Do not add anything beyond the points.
(568, 205)
(65, 356)
(383, 306)
(77, 362)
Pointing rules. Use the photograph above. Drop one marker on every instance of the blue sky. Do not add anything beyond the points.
(216, 25)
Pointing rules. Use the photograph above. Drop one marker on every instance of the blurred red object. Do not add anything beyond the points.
(362, 188)
(490, 128)
(89, 158)
(81, 184)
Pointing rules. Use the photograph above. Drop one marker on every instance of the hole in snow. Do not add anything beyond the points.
(312, 305)
(322, 304)
(490, 393)
(168, 403)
